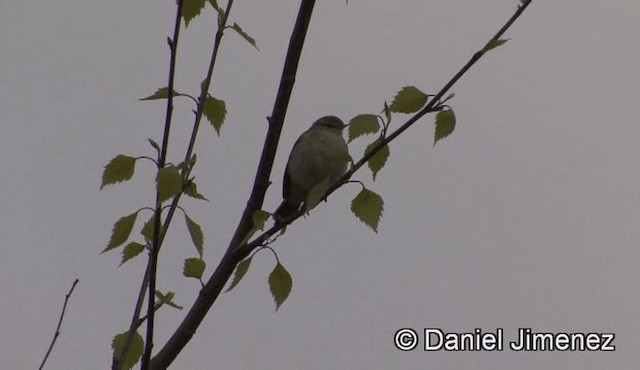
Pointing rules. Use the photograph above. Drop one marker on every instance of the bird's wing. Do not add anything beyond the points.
(286, 182)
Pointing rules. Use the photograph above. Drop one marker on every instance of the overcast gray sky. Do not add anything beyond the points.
(527, 216)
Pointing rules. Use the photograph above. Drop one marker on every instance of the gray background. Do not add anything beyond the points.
(527, 216)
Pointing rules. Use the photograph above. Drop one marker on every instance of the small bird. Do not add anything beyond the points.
(318, 154)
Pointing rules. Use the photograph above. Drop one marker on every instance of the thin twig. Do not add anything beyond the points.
(159, 238)
(150, 273)
(57, 333)
(155, 248)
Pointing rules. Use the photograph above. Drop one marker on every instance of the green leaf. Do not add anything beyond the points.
(191, 9)
(167, 299)
(445, 123)
(214, 4)
(379, 159)
(147, 229)
(135, 351)
(368, 206)
(387, 112)
(169, 182)
(187, 164)
(494, 44)
(408, 100)
(241, 270)
(259, 219)
(317, 194)
(192, 190)
(363, 124)
(215, 111)
(121, 231)
(280, 284)
(236, 27)
(154, 145)
(120, 169)
(196, 234)
(161, 93)
(130, 251)
(194, 268)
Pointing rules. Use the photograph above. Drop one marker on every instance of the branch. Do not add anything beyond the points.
(212, 289)
(430, 107)
(155, 247)
(150, 273)
(57, 333)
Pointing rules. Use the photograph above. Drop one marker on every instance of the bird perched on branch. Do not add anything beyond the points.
(319, 154)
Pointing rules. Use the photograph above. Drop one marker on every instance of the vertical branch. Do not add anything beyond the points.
(150, 273)
(153, 254)
(213, 287)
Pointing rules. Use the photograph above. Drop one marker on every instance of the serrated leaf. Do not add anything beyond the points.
(135, 351)
(236, 27)
(194, 268)
(121, 231)
(241, 270)
(191, 9)
(367, 206)
(259, 219)
(192, 190)
(215, 111)
(167, 299)
(379, 159)
(130, 251)
(161, 93)
(120, 169)
(147, 229)
(445, 124)
(494, 44)
(280, 284)
(363, 124)
(408, 100)
(154, 145)
(387, 112)
(317, 194)
(169, 182)
(195, 231)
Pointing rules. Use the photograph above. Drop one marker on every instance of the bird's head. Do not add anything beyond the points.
(332, 123)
